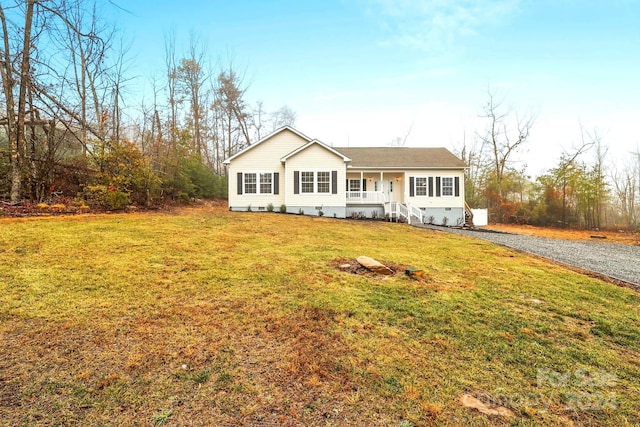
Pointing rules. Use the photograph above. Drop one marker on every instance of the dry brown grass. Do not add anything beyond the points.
(623, 237)
(206, 317)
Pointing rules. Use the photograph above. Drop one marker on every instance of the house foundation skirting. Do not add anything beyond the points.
(362, 211)
(326, 211)
(443, 216)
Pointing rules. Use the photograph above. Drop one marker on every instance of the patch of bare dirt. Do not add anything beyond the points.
(352, 266)
(195, 363)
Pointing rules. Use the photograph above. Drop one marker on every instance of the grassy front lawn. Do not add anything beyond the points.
(205, 317)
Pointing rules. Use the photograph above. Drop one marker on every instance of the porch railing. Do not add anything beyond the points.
(416, 212)
(399, 210)
(365, 197)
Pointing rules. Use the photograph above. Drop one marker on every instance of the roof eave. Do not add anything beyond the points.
(275, 132)
(309, 144)
(405, 167)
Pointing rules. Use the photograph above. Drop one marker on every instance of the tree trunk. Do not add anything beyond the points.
(6, 72)
(17, 143)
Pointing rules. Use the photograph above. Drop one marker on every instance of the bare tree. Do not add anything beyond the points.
(401, 141)
(8, 84)
(564, 171)
(233, 111)
(172, 79)
(16, 116)
(191, 81)
(472, 154)
(506, 133)
(598, 184)
(504, 137)
(258, 112)
(283, 116)
(36, 82)
(117, 81)
(627, 190)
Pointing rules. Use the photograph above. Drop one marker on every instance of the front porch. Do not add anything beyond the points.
(377, 194)
(387, 195)
(374, 188)
(391, 211)
(366, 198)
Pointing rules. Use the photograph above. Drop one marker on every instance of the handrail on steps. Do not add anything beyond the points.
(407, 211)
(468, 214)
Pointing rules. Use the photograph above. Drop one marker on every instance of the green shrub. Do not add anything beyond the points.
(117, 200)
(204, 182)
(125, 177)
(270, 207)
(283, 208)
(106, 197)
(188, 178)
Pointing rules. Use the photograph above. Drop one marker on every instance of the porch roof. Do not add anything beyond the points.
(401, 158)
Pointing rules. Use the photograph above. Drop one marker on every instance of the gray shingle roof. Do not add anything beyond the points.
(401, 157)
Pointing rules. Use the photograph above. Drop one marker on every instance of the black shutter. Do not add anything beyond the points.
(430, 186)
(334, 182)
(364, 185)
(457, 186)
(276, 183)
(411, 189)
(239, 182)
(437, 186)
(296, 182)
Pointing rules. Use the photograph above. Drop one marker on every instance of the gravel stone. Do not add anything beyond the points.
(620, 262)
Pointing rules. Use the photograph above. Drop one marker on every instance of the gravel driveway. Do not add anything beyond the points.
(621, 262)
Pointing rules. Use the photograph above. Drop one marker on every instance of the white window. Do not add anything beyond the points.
(258, 183)
(250, 183)
(355, 185)
(324, 182)
(307, 182)
(315, 182)
(447, 186)
(266, 183)
(421, 186)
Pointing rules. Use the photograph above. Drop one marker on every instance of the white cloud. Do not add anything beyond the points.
(435, 25)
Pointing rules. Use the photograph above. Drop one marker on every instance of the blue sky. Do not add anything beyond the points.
(362, 72)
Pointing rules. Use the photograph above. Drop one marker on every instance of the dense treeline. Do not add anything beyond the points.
(585, 189)
(65, 129)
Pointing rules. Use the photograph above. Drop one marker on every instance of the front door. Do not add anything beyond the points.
(392, 191)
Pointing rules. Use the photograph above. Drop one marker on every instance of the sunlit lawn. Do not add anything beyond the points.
(206, 317)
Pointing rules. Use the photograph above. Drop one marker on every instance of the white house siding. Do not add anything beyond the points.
(319, 159)
(264, 157)
(445, 210)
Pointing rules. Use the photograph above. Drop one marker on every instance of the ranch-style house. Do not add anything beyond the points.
(303, 175)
